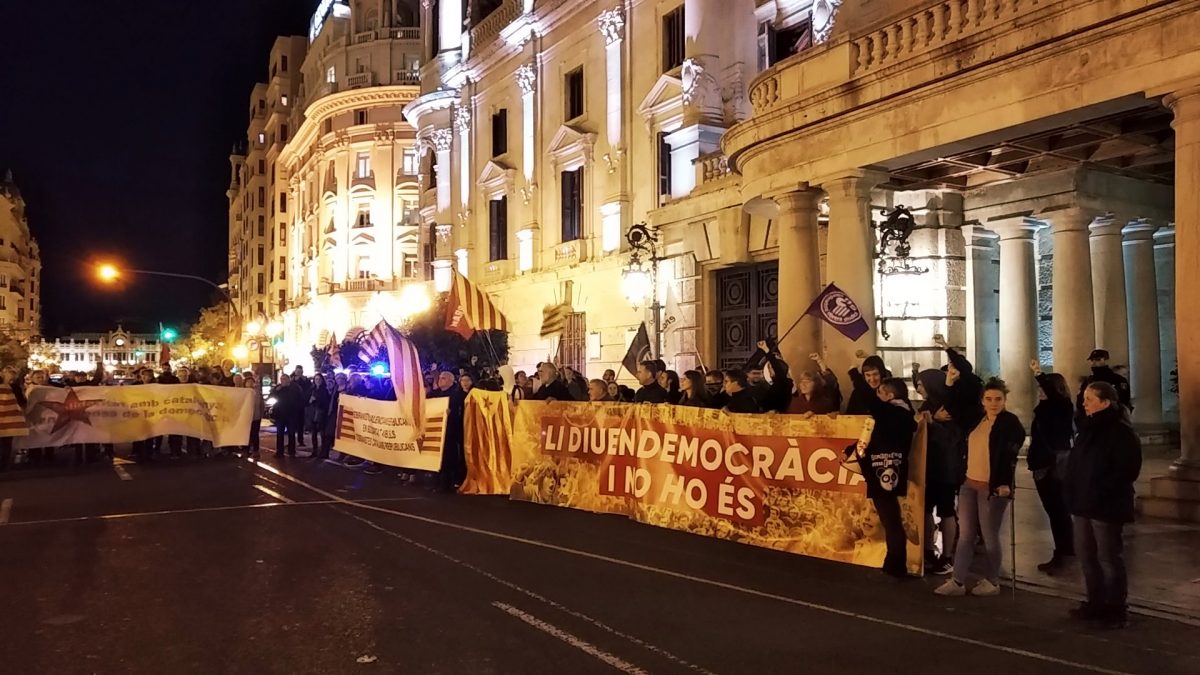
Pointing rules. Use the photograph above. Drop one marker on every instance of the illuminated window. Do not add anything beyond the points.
(331, 75)
(283, 100)
(411, 162)
(262, 138)
(364, 165)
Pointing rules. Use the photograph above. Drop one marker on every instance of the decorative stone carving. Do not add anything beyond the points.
(612, 24)
(527, 192)
(462, 119)
(765, 93)
(613, 159)
(341, 140)
(526, 78)
(701, 89)
(442, 138)
(385, 134)
(824, 14)
(443, 230)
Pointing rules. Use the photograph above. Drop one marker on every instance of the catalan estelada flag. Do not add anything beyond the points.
(12, 418)
(470, 309)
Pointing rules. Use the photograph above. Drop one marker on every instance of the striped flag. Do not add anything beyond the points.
(372, 345)
(12, 418)
(406, 375)
(334, 351)
(554, 319)
(470, 309)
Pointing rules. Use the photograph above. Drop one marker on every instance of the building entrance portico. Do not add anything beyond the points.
(1062, 145)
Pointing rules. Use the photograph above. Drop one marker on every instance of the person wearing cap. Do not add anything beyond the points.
(1102, 372)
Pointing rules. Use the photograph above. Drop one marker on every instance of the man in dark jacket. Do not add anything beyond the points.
(454, 464)
(714, 382)
(288, 399)
(1103, 466)
(553, 388)
(884, 465)
(651, 391)
(1101, 372)
(777, 394)
(741, 398)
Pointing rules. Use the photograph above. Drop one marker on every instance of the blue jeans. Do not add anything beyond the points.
(978, 509)
(1099, 545)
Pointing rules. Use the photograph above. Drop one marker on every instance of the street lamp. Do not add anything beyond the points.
(640, 278)
(108, 273)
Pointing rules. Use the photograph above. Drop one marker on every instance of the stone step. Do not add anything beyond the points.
(1167, 487)
(1173, 509)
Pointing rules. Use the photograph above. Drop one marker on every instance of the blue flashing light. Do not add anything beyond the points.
(379, 369)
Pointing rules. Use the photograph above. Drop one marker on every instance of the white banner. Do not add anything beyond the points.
(65, 416)
(380, 432)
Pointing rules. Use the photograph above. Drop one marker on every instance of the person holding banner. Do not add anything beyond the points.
(884, 462)
(741, 398)
(260, 411)
(692, 390)
(12, 415)
(994, 437)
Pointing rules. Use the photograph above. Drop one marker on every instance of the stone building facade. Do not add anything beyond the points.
(20, 266)
(121, 352)
(767, 142)
(323, 197)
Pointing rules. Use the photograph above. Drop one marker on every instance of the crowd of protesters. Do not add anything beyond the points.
(1082, 450)
(16, 385)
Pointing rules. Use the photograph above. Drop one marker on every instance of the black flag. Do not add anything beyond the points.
(639, 350)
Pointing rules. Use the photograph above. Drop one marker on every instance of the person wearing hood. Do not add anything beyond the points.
(994, 436)
(1050, 438)
(884, 463)
(942, 468)
(865, 383)
(1101, 372)
(1101, 472)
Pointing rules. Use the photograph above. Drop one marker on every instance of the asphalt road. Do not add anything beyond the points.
(225, 566)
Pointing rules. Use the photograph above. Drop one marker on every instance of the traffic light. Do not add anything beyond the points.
(169, 334)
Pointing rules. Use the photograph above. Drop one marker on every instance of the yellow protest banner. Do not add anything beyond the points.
(775, 481)
(65, 416)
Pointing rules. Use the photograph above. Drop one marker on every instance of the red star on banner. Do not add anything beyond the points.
(70, 409)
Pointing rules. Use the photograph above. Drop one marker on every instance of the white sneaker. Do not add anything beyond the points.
(951, 587)
(985, 589)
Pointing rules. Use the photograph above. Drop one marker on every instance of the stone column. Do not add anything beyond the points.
(983, 304)
(1186, 105)
(1108, 288)
(1141, 290)
(1164, 275)
(1074, 317)
(850, 262)
(800, 267)
(1018, 312)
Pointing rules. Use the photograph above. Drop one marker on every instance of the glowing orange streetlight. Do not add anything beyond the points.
(107, 272)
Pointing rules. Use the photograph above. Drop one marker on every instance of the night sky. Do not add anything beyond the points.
(116, 119)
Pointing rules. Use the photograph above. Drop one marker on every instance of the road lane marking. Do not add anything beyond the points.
(121, 472)
(1015, 651)
(5, 510)
(573, 640)
(271, 493)
(204, 509)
